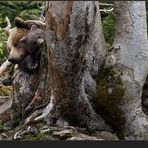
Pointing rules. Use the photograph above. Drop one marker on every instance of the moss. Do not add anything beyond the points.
(3, 127)
(34, 137)
(5, 90)
(109, 95)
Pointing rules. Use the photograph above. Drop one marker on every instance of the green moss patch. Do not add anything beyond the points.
(109, 94)
(5, 90)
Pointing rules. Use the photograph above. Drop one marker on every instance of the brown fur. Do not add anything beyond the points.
(17, 51)
(14, 46)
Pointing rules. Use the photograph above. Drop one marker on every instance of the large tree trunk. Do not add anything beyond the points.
(24, 87)
(124, 72)
(76, 49)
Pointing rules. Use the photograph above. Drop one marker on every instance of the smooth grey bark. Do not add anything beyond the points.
(76, 50)
(124, 72)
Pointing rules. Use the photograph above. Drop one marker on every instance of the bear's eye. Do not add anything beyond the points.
(15, 45)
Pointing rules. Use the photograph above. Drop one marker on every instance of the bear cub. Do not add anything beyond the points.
(33, 45)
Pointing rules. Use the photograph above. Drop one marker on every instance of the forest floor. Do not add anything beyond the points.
(40, 131)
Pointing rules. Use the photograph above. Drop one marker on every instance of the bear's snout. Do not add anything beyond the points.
(13, 60)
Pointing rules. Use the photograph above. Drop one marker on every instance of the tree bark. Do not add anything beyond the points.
(121, 79)
(76, 49)
(29, 91)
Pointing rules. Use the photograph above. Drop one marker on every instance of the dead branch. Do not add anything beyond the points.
(4, 66)
(8, 28)
(4, 97)
(106, 10)
(105, 4)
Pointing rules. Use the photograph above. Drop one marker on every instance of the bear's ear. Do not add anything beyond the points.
(23, 40)
(20, 23)
(33, 27)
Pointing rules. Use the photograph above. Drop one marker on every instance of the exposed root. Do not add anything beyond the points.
(4, 66)
(47, 110)
(5, 107)
(33, 116)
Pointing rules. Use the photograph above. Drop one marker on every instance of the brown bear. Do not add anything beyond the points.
(17, 51)
(25, 58)
(32, 43)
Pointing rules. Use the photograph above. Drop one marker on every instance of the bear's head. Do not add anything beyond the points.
(33, 44)
(14, 45)
(17, 52)
(34, 39)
